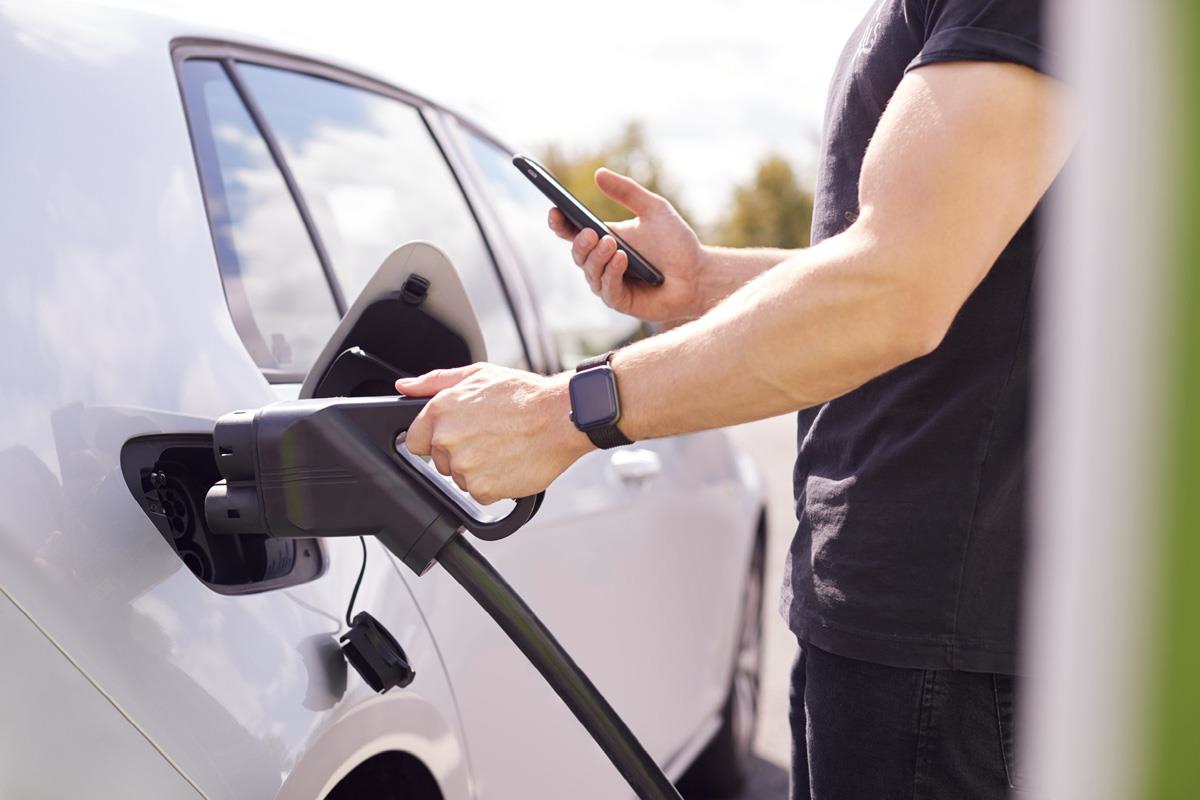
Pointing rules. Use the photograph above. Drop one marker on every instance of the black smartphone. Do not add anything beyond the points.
(579, 216)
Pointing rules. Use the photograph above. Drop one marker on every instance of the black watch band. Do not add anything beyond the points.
(595, 361)
(609, 436)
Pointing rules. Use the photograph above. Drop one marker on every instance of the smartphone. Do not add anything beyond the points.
(579, 216)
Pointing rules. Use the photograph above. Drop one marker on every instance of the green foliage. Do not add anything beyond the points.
(629, 153)
(772, 210)
(1171, 746)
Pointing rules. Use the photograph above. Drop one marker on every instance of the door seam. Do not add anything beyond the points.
(95, 685)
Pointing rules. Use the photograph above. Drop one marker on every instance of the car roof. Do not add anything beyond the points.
(112, 28)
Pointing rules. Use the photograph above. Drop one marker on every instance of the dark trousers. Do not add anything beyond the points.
(863, 731)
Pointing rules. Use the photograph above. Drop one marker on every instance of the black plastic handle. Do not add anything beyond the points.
(510, 523)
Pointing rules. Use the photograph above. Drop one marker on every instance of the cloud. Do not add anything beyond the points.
(717, 82)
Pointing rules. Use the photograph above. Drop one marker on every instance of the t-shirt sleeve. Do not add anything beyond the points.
(983, 30)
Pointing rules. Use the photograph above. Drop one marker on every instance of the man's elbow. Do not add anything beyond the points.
(913, 289)
(920, 326)
(926, 336)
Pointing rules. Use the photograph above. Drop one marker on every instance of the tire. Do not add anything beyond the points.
(720, 771)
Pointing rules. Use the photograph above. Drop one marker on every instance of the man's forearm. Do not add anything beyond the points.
(727, 269)
(812, 328)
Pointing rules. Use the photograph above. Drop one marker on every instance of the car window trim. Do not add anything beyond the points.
(235, 298)
(488, 245)
(456, 130)
(217, 218)
(289, 179)
(187, 48)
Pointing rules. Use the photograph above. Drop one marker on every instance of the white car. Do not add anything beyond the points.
(186, 215)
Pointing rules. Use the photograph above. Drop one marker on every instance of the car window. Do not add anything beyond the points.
(277, 292)
(579, 321)
(374, 178)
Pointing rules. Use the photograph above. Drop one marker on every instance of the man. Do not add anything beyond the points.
(902, 336)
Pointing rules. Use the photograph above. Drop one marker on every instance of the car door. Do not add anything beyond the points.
(664, 517)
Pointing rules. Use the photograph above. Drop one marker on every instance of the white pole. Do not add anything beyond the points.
(1091, 592)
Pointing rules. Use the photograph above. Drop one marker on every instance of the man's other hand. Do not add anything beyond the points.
(659, 234)
(498, 433)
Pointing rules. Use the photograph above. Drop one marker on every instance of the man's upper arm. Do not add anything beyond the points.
(960, 158)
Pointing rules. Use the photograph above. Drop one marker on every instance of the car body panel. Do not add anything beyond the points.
(57, 703)
(113, 324)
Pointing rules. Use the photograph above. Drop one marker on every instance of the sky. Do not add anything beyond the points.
(718, 84)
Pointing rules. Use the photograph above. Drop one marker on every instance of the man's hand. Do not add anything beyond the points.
(498, 433)
(658, 233)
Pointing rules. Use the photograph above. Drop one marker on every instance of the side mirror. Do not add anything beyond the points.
(413, 316)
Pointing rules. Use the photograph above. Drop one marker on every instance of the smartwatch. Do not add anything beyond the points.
(595, 406)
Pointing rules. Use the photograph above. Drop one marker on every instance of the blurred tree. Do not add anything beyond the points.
(773, 210)
(629, 153)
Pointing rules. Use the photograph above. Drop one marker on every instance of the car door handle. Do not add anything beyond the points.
(635, 465)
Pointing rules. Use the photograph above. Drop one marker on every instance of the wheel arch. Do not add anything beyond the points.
(388, 775)
(395, 731)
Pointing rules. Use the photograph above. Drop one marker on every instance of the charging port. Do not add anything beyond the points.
(169, 477)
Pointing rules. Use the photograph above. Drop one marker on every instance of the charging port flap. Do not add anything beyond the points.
(413, 316)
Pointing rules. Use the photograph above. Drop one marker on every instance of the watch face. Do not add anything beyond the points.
(594, 398)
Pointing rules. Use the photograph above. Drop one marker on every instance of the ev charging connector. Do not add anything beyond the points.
(335, 467)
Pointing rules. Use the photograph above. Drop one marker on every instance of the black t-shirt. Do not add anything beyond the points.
(910, 490)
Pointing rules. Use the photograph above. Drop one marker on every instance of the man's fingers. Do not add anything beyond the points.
(583, 245)
(596, 261)
(627, 192)
(592, 275)
(460, 481)
(419, 439)
(431, 383)
(562, 226)
(441, 460)
(612, 284)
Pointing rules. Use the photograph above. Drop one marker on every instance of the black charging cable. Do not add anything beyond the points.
(481, 580)
(362, 540)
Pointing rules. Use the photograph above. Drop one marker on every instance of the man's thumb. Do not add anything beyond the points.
(627, 191)
(432, 382)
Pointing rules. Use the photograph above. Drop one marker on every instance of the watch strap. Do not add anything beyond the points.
(610, 436)
(595, 361)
